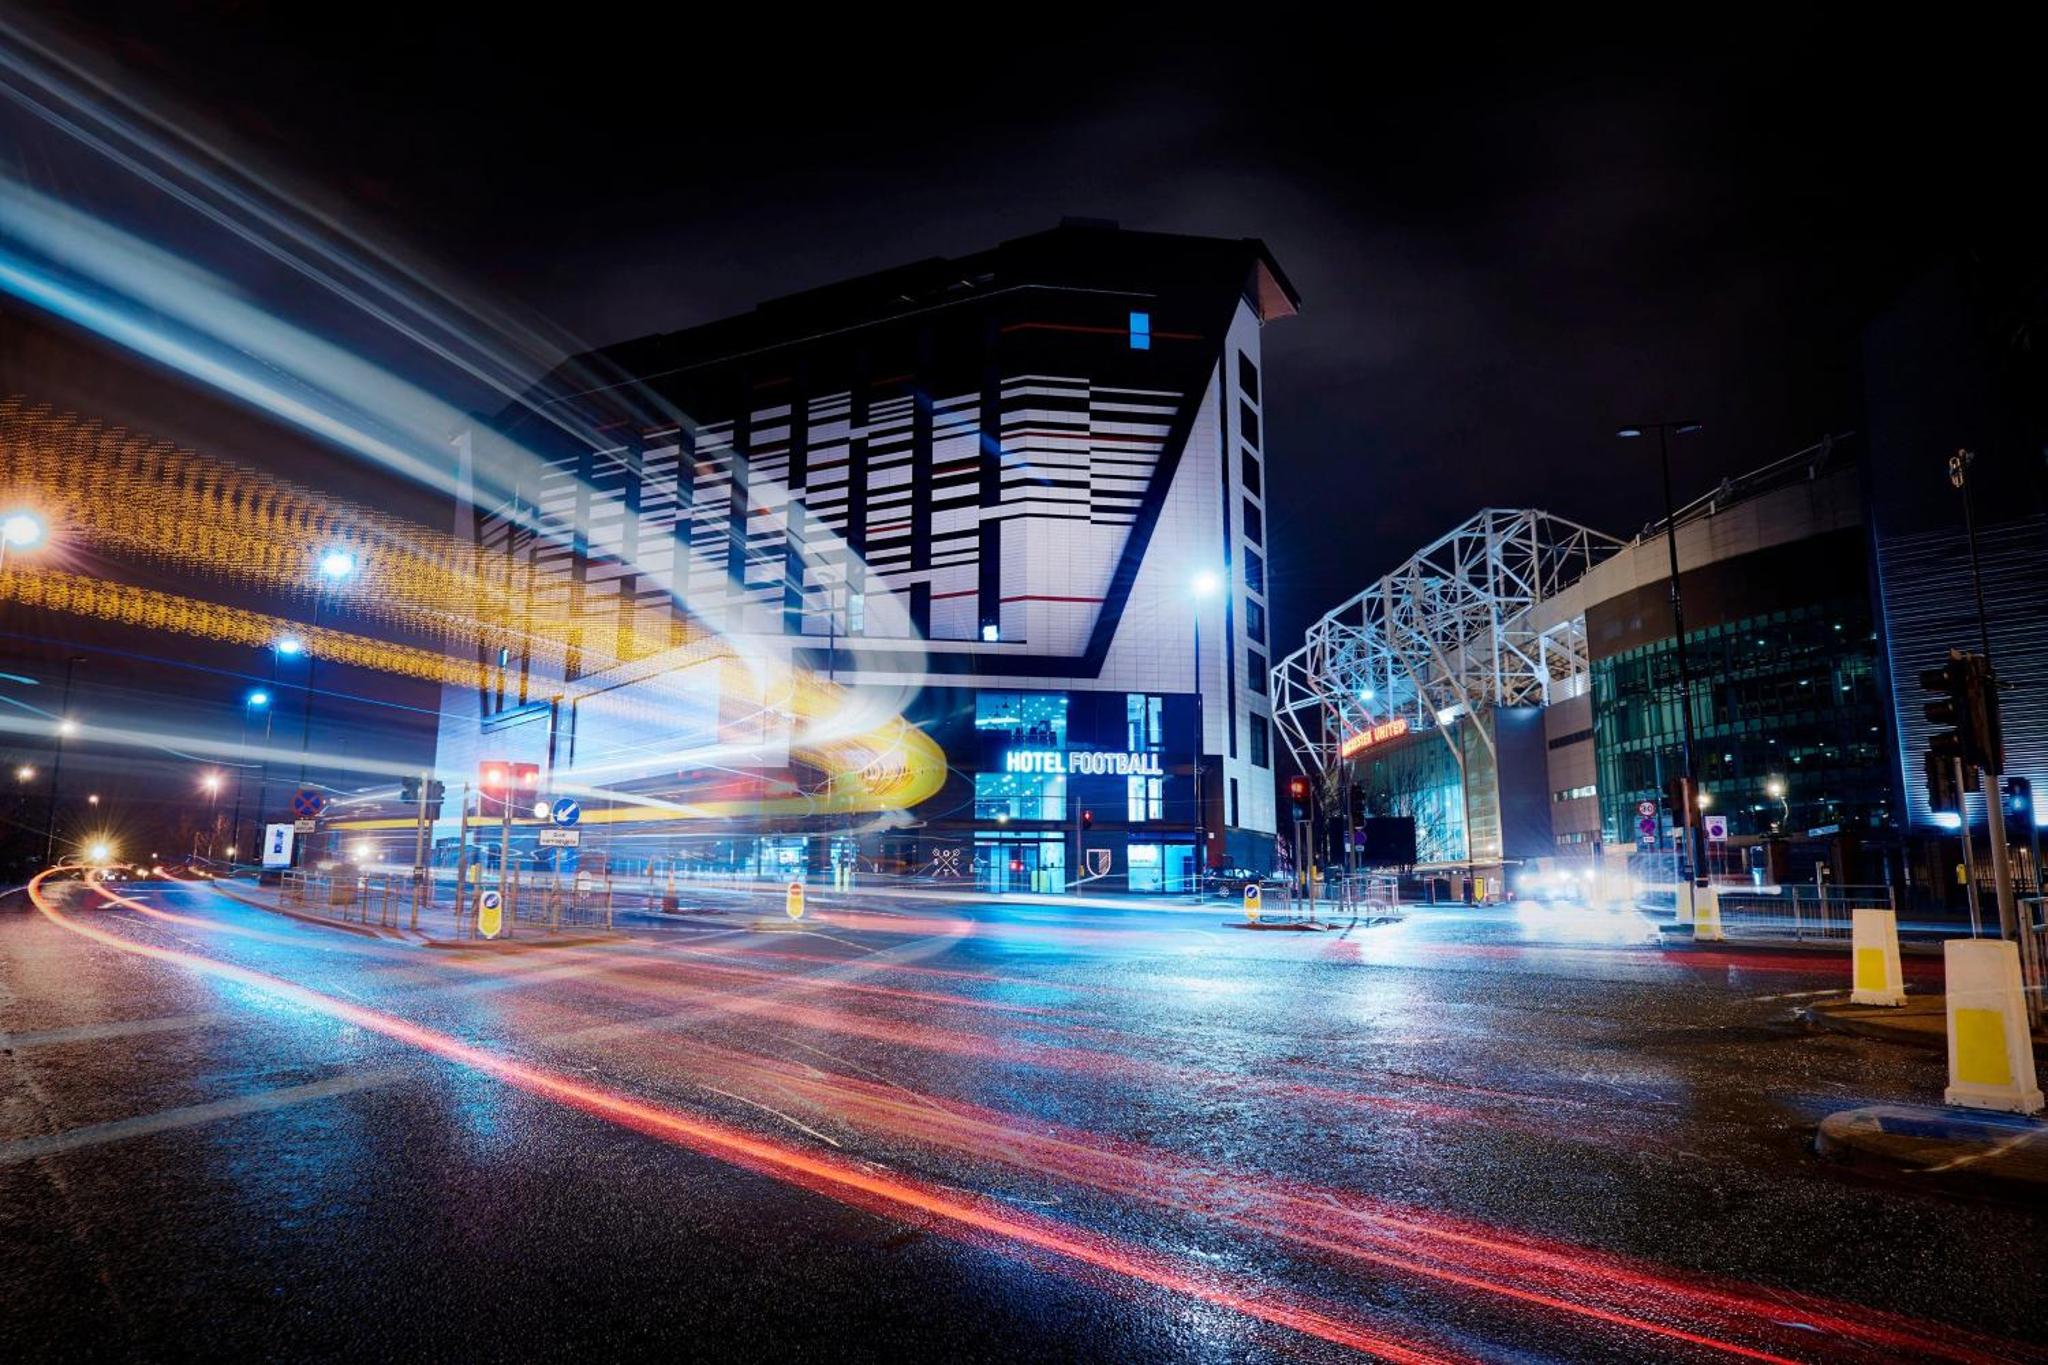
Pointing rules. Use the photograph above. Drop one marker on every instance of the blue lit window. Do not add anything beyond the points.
(1141, 331)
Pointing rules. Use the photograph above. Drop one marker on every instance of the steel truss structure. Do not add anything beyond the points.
(1446, 635)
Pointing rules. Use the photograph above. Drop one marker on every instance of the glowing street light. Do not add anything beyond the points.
(99, 851)
(337, 564)
(92, 799)
(210, 784)
(19, 530)
(25, 773)
(291, 646)
(1775, 788)
(67, 726)
(1206, 584)
(258, 699)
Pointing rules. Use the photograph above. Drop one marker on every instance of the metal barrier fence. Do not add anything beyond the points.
(1797, 911)
(2033, 933)
(395, 900)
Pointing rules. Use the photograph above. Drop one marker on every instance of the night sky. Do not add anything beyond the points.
(1508, 241)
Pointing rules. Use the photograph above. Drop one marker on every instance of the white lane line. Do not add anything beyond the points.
(145, 1125)
(769, 1109)
(119, 1028)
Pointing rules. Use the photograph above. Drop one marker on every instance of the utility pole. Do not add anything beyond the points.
(462, 858)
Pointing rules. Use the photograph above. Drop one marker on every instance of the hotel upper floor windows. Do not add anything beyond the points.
(1254, 622)
(1254, 523)
(1248, 424)
(1020, 796)
(1247, 377)
(1141, 331)
(1144, 799)
(1034, 718)
(1262, 743)
(1255, 671)
(1255, 572)
(1249, 472)
(1144, 722)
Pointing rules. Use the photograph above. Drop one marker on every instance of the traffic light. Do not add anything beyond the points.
(1297, 795)
(1679, 801)
(501, 781)
(1356, 799)
(1966, 702)
(409, 790)
(1942, 794)
(1087, 819)
(2019, 805)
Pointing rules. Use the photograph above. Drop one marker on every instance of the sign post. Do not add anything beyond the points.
(1254, 900)
(490, 914)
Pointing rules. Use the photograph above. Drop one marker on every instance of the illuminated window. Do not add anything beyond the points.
(1031, 719)
(1020, 796)
(1141, 331)
(1144, 799)
(1144, 722)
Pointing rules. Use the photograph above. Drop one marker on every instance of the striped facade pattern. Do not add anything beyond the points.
(1930, 608)
(745, 519)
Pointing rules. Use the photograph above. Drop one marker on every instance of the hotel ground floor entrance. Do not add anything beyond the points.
(1020, 862)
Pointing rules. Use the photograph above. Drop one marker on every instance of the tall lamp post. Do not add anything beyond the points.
(257, 700)
(1665, 431)
(66, 727)
(334, 566)
(1205, 586)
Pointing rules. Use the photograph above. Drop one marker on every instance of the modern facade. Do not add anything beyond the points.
(1558, 722)
(954, 571)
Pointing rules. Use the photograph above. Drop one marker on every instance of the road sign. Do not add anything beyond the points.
(1646, 808)
(307, 803)
(1254, 900)
(561, 838)
(304, 826)
(565, 812)
(277, 845)
(1717, 829)
(1646, 831)
(793, 900)
(490, 914)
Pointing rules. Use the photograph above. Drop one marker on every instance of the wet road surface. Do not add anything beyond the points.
(958, 1132)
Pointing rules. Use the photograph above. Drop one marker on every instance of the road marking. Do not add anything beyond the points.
(120, 1130)
(770, 1109)
(118, 1028)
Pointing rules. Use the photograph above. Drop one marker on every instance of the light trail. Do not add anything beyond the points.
(976, 1219)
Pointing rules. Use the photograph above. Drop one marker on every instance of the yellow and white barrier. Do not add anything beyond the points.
(1990, 1056)
(793, 900)
(1706, 914)
(1875, 976)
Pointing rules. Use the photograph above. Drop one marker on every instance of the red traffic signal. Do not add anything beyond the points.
(1297, 788)
(501, 779)
(1087, 819)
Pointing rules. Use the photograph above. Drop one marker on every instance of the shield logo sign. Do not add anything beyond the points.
(1100, 860)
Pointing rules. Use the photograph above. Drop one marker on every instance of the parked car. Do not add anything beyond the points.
(1231, 881)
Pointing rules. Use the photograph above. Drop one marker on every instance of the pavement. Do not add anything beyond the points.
(975, 1131)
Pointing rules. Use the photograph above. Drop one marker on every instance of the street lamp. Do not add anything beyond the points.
(1665, 431)
(19, 530)
(1774, 787)
(1204, 586)
(334, 565)
(24, 773)
(92, 799)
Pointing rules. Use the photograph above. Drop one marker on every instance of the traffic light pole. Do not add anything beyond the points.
(1969, 854)
(419, 850)
(2001, 868)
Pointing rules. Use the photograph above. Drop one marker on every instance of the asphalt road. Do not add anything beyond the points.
(970, 1132)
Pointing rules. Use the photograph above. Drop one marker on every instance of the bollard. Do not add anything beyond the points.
(793, 901)
(1990, 1055)
(1875, 975)
(1706, 914)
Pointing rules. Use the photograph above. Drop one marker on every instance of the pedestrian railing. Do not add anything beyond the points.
(1796, 911)
(2033, 935)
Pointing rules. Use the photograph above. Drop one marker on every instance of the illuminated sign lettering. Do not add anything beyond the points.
(1356, 744)
(1081, 763)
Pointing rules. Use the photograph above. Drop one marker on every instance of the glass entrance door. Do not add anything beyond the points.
(1022, 864)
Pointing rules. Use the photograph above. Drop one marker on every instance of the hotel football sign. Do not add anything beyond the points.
(1081, 763)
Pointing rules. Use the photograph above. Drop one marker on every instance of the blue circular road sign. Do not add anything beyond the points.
(565, 812)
